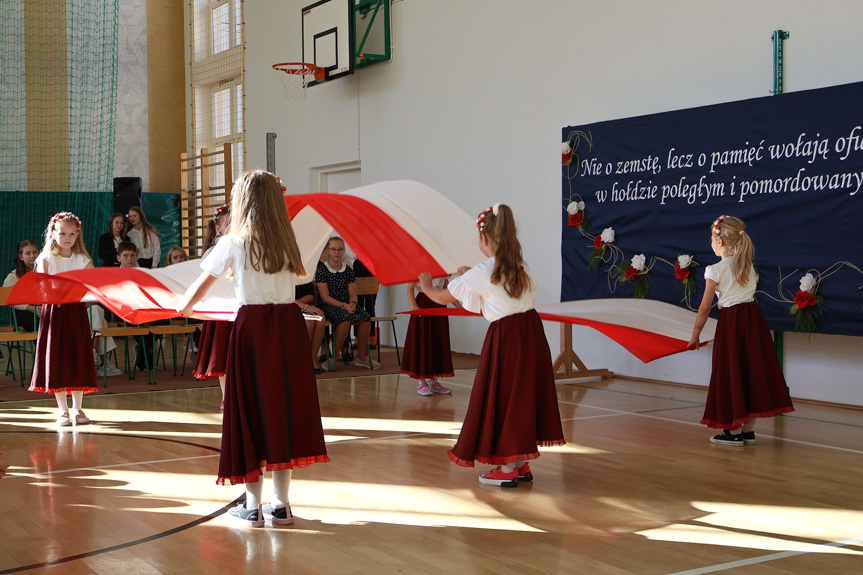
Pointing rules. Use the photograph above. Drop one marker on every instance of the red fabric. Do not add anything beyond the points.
(130, 293)
(64, 352)
(746, 379)
(644, 345)
(272, 415)
(427, 351)
(513, 404)
(390, 253)
(212, 357)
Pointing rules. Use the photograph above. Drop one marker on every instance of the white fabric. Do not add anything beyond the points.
(252, 287)
(10, 281)
(646, 314)
(439, 283)
(446, 232)
(334, 270)
(477, 294)
(97, 321)
(57, 264)
(727, 289)
(153, 249)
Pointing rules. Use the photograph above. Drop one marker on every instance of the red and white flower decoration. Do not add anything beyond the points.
(576, 214)
(566, 153)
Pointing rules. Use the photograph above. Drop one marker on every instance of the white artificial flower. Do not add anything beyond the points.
(638, 262)
(684, 261)
(807, 283)
(580, 206)
(565, 148)
(572, 208)
(607, 235)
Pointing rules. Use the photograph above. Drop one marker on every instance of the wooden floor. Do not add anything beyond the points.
(638, 489)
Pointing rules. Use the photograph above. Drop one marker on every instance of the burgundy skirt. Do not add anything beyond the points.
(513, 403)
(212, 357)
(426, 351)
(746, 380)
(64, 351)
(272, 416)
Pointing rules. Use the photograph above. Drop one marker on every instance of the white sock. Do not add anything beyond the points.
(281, 484)
(519, 463)
(61, 401)
(422, 381)
(508, 468)
(77, 400)
(253, 493)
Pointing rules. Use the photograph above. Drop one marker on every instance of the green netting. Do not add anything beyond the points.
(68, 98)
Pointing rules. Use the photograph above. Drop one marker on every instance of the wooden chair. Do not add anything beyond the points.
(179, 326)
(15, 338)
(370, 286)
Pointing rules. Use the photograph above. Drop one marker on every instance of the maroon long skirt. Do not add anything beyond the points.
(212, 357)
(513, 404)
(746, 380)
(272, 416)
(426, 351)
(64, 351)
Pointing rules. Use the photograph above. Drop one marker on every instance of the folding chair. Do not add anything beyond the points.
(370, 286)
(179, 326)
(15, 338)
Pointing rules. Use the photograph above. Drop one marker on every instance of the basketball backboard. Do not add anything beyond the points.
(328, 37)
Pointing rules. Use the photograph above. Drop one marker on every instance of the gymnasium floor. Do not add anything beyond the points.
(639, 489)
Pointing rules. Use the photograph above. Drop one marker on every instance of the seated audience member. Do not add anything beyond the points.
(305, 298)
(110, 241)
(25, 259)
(145, 236)
(127, 255)
(337, 289)
(176, 255)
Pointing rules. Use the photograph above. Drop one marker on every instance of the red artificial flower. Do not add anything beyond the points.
(804, 299)
(630, 273)
(681, 273)
(597, 242)
(567, 158)
(575, 220)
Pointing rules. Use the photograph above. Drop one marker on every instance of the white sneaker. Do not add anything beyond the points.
(108, 369)
(360, 363)
(63, 420)
(96, 358)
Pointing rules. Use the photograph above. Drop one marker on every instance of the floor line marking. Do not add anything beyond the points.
(772, 557)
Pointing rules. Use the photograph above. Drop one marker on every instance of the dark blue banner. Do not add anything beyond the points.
(790, 166)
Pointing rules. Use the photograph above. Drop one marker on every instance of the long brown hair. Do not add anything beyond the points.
(146, 227)
(732, 231)
(260, 217)
(20, 268)
(212, 230)
(508, 264)
(113, 217)
(54, 223)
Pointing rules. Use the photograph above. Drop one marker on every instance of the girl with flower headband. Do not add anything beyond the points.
(513, 404)
(272, 415)
(212, 357)
(64, 354)
(746, 380)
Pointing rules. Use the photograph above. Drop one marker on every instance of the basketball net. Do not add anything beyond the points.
(295, 78)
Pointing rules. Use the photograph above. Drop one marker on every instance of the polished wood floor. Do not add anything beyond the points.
(638, 489)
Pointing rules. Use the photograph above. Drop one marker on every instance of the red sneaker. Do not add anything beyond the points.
(524, 473)
(499, 478)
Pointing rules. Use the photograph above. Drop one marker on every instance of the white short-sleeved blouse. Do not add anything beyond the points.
(477, 294)
(727, 289)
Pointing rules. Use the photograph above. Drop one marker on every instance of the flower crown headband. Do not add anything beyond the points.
(61, 217)
(717, 230)
(220, 211)
(480, 219)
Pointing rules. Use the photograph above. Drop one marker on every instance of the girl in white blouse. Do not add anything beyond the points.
(146, 237)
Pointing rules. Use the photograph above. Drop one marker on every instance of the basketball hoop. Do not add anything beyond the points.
(296, 76)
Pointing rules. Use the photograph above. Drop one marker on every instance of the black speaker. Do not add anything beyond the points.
(127, 193)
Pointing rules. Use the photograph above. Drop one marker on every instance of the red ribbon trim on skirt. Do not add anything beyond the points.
(738, 422)
(253, 476)
(66, 389)
(503, 459)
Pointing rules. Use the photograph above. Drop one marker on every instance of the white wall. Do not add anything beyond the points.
(478, 92)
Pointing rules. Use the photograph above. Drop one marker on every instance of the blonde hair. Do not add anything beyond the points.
(732, 232)
(260, 217)
(346, 259)
(175, 250)
(54, 224)
(508, 264)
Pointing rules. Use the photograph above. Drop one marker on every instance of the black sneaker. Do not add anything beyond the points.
(749, 437)
(278, 515)
(728, 438)
(248, 517)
